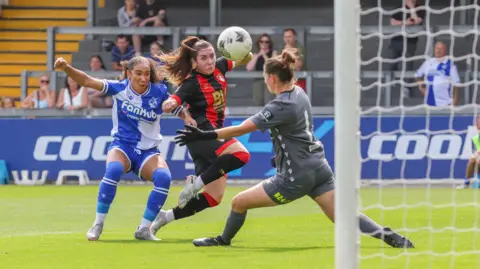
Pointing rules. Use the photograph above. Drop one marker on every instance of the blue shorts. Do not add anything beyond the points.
(136, 157)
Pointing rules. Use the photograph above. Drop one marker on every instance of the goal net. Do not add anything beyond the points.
(415, 141)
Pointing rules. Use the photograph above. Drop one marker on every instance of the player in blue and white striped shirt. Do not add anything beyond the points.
(436, 78)
(138, 102)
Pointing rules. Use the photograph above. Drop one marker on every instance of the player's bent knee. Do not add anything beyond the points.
(114, 170)
(213, 200)
(161, 178)
(239, 203)
(243, 156)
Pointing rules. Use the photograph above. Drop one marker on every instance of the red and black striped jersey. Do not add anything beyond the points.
(205, 95)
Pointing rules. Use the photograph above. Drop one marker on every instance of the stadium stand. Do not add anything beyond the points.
(245, 13)
(23, 38)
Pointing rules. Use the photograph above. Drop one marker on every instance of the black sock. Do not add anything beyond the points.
(193, 206)
(224, 164)
(235, 221)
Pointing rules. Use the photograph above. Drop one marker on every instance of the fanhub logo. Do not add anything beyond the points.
(419, 146)
(135, 112)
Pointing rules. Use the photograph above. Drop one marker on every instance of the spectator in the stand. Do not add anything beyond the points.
(291, 42)
(72, 97)
(265, 50)
(97, 99)
(44, 81)
(414, 16)
(126, 15)
(436, 78)
(122, 51)
(8, 102)
(152, 14)
(39, 99)
(155, 49)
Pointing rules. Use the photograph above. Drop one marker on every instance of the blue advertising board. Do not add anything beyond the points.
(392, 147)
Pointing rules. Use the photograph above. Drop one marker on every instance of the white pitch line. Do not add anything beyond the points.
(35, 234)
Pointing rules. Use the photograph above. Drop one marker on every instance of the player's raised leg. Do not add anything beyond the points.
(117, 164)
(231, 156)
(254, 197)
(154, 169)
(210, 197)
(326, 201)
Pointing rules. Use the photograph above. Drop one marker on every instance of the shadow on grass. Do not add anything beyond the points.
(133, 241)
(281, 249)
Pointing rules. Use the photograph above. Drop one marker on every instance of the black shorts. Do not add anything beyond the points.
(204, 153)
(283, 191)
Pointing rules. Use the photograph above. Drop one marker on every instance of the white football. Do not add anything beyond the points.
(234, 43)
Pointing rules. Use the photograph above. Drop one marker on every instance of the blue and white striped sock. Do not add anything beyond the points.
(107, 190)
(161, 180)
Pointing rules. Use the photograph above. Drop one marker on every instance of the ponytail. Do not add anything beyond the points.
(178, 64)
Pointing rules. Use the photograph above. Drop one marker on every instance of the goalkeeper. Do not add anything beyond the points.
(473, 160)
(300, 159)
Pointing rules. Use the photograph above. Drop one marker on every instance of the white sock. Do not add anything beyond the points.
(198, 183)
(99, 218)
(169, 216)
(145, 223)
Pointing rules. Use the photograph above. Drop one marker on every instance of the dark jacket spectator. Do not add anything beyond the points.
(122, 51)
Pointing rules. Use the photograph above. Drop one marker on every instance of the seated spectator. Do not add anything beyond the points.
(122, 51)
(155, 50)
(126, 15)
(44, 81)
(264, 46)
(7, 102)
(97, 99)
(290, 42)
(72, 97)
(39, 99)
(441, 75)
(152, 14)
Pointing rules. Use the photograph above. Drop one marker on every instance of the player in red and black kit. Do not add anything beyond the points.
(203, 87)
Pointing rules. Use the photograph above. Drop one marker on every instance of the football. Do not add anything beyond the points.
(234, 43)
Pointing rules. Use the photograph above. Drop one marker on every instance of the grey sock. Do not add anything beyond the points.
(368, 226)
(234, 224)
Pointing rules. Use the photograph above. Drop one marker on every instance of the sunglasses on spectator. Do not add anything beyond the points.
(44, 81)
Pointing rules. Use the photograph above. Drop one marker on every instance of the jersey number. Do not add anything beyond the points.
(218, 100)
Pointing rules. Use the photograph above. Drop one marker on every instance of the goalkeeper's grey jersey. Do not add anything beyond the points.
(289, 119)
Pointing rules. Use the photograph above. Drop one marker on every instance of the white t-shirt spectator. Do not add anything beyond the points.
(441, 76)
(124, 19)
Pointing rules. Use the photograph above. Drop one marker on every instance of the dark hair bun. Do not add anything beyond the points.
(288, 57)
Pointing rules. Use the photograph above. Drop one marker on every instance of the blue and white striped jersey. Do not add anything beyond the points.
(136, 117)
(441, 75)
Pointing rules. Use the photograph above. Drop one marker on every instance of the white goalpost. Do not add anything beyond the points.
(407, 158)
(347, 121)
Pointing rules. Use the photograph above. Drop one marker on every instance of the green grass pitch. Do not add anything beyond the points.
(44, 227)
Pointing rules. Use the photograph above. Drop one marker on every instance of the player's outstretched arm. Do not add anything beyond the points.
(169, 105)
(79, 76)
(247, 126)
(192, 133)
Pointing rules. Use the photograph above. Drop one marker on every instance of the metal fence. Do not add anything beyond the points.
(176, 33)
(386, 80)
